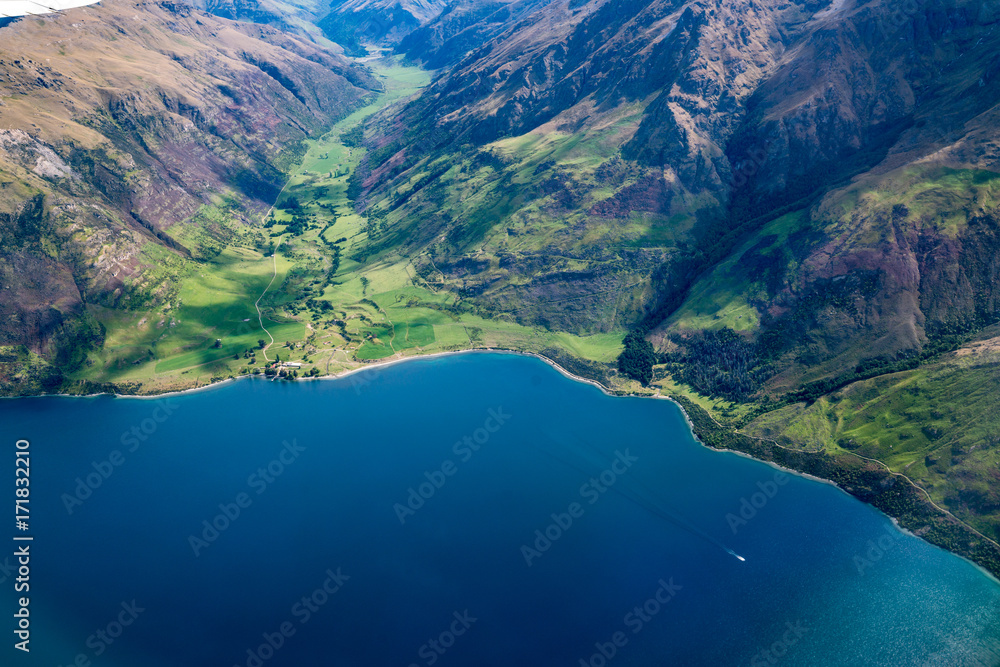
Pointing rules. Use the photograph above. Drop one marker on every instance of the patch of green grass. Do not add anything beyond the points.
(419, 334)
(937, 424)
(718, 408)
(723, 297)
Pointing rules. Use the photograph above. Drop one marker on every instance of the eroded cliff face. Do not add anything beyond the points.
(253, 11)
(777, 94)
(692, 65)
(120, 120)
(871, 79)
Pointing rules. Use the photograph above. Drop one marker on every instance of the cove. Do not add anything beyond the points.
(474, 509)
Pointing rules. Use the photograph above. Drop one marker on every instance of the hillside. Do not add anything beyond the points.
(651, 140)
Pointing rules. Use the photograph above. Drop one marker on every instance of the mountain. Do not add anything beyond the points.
(382, 23)
(121, 121)
(611, 122)
(654, 141)
(876, 134)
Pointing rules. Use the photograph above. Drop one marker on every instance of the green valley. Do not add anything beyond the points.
(330, 306)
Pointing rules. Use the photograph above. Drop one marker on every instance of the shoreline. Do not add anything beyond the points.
(362, 366)
(698, 433)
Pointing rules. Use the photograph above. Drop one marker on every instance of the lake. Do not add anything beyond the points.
(473, 509)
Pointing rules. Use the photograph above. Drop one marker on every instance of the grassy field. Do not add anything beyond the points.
(550, 227)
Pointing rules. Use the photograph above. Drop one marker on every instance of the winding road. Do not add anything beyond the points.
(256, 304)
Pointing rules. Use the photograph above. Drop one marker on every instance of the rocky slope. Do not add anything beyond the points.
(880, 130)
(613, 120)
(117, 122)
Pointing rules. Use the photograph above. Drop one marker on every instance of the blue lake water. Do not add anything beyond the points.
(390, 518)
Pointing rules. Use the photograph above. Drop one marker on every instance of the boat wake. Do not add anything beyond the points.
(635, 491)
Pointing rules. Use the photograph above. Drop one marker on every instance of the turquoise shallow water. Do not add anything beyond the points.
(390, 518)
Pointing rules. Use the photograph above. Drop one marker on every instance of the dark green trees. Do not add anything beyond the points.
(638, 357)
